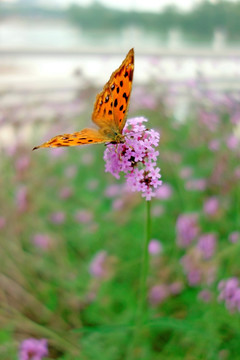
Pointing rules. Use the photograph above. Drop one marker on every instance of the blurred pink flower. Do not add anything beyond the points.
(57, 152)
(2, 222)
(118, 204)
(158, 294)
(33, 349)
(234, 236)
(22, 163)
(230, 293)
(70, 171)
(164, 192)
(196, 184)
(65, 193)
(42, 241)
(175, 288)
(205, 295)
(232, 142)
(235, 118)
(21, 198)
(187, 229)
(84, 216)
(207, 245)
(157, 210)
(186, 172)
(211, 205)
(155, 247)
(237, 172)
(97, 265)
(210, 120)
(57, 217)
(113, 190)
(214, 145)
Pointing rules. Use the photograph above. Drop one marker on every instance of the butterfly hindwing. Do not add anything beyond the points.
(109, 112)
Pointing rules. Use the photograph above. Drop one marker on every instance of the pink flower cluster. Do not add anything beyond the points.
(136, 158)
(187, 229)
(159, 293)
(33, 349)
(230, 293)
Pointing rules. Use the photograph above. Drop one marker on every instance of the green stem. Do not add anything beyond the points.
(141, 306)
(141, 309)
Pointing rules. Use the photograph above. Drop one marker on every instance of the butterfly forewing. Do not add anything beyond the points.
(110, 109)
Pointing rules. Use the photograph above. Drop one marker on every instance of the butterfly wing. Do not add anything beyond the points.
(84, 137)
(110, 110)
(111, 105)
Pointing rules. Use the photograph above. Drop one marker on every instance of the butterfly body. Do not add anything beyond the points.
(109, 112)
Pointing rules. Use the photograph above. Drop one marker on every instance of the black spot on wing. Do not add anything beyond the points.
(115, 103)
(125, 96)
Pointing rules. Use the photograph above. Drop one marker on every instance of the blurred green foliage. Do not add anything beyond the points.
(49, 292)
(201, 21)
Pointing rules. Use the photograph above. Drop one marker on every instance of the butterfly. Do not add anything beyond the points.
(109, 112)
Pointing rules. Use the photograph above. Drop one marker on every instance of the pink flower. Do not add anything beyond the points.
(230, 293)
(22, 163)
(186, 172)
(33, 349)
(113, 190)
(196, 184)
(207, 245)
(136, 158)
(164, 192)
(118, 204)
(237, 172)
(232, 142)
(154, 247)
(65, 192)
(234, 236)
(84, 216)
(97, 266)
(157, 210)
(70, 171)
(214, 145)
(42, 241)
(158, 294)
(211, 205)
(175, 288)
(235, 119)
(57, 217)
(210, 120)
(205, 296)
(21, 199)
(57, 152)
(187, 229)
(2, 222)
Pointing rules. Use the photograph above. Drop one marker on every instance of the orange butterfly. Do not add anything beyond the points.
(109, 112)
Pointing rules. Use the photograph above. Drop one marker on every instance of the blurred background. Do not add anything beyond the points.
(67, 273)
